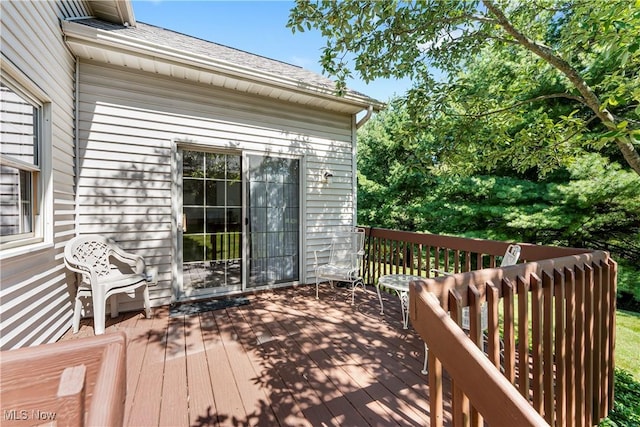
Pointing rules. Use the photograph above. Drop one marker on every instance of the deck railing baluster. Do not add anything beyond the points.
(580, 389)
(570, 344)
(597, 344)
(560, 356)
(493, 333)
(547, 345)
(508, 331)
(613, 280)
(536, 332)
(589, 345)
(523, 337)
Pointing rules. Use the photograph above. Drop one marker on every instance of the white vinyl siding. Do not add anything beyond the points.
(34, 286)
(128, 123)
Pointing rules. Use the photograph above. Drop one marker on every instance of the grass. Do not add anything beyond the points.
(628, 342)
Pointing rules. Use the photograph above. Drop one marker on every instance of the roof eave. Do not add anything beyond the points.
(79, 33)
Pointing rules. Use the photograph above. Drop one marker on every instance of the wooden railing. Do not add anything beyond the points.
(547, 356)
(80, 382)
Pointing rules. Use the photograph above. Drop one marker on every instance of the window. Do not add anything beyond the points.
(20, 119)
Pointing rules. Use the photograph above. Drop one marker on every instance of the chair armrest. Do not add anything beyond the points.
(77, 266)
(315, 253)
(83, 269)
(446, 273)
(135, 261)
(151, 275)
(356, 260)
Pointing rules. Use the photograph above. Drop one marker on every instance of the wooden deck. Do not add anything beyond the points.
(284, 359)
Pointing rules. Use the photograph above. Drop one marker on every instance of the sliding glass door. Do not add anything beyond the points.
(273, 197)
(229, 239)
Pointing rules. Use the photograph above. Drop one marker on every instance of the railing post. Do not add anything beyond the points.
(613, 281)
(476, 337)
(460, 404)
(435, 391)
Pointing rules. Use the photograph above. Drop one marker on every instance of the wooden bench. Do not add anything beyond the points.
(74, 383)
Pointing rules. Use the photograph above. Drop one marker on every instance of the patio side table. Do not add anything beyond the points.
(400, 284)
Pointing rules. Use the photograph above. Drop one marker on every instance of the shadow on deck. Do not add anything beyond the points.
(283, 359)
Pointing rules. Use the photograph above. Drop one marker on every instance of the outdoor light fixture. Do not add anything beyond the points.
(326, 177)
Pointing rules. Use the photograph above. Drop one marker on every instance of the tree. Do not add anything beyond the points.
(593, 202)
(586, 56)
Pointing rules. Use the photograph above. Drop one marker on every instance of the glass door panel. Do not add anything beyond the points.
(273, 196)
(212, 222)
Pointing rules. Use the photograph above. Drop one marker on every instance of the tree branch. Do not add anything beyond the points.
(625, 144)
(526, 101)
(559, 143)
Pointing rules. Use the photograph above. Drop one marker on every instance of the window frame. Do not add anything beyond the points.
(40, 172)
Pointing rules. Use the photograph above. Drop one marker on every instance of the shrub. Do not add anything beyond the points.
(626, 405)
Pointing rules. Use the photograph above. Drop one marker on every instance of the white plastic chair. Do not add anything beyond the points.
(102, 270)
(346, 252)
(511, 256)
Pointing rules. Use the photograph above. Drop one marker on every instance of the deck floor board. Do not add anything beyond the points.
(283, 359)
(201, 403)
(174, 409)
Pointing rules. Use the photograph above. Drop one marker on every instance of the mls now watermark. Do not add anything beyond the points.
(24, 415)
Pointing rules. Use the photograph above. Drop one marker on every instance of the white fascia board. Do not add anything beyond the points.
(117, 42)
(126, 11)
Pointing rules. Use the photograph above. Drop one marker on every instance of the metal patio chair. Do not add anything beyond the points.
(346, 253)
(102, 270)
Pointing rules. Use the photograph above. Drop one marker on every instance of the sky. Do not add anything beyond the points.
(257, 27)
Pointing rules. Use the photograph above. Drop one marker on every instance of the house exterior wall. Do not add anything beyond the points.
(128, 123)
(34, 295)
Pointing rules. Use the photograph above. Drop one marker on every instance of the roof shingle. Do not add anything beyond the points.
(175, 40)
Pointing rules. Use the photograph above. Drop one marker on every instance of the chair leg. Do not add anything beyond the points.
(317, 284)
(426, 359)
(99, 308)
(404, 306)
(147, 304)
(114, 306)
(380, 299)
(353, 289)
(353, 293)
(77, 311)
